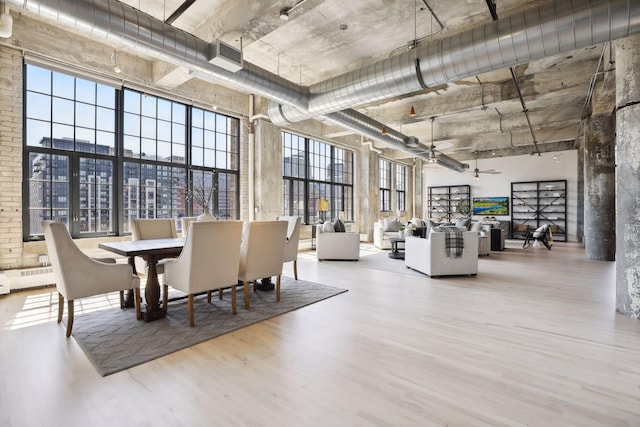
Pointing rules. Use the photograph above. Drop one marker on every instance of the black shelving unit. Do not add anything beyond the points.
(445, 202)
(535, 203)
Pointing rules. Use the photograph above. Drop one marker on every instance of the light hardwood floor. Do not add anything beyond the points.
(532, 340)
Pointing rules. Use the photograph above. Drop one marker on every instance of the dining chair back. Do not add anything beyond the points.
(262, 254)
(78, 276)
(293, 238)
(208, 261)
(151, 228)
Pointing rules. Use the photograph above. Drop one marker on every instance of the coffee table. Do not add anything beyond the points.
(396, 253)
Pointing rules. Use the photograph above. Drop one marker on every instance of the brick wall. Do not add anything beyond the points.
(10, 158)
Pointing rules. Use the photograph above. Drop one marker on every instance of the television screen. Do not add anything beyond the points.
(491, 206)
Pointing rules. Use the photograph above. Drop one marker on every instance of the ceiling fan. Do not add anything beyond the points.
(476, 172)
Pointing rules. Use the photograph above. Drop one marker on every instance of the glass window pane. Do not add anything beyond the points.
(179, 152)
(131, 146)
(164, 109)
(148, 127)
(179, 113)
(164, 151)
(38, 79)
(38, 106)
(221, 123)
(132, 101)
(63, 111)
(63, 137)
(209, 120)
(106, 96)
(63, 85)
(178, 134)
(38, 133)
(149, 106)
(106, 119)
(85, 91)
(106, 143)
(85, 140)
(197, 117)
(148, 149)
(197, 157)
(131, 124)
(209, 158)
(85, 115)
(209, 139)
(164, 130)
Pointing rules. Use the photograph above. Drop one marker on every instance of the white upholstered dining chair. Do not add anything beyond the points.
(293, 238)
(145, 229)
(185, 221)
(78, 275)
(209, 261)
(262, 254)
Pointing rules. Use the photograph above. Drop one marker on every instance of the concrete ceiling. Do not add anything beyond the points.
(325, 38)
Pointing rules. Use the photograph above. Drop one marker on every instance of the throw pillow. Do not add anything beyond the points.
(430, 225)
(464, 222)
(475, 226)
(390, 225)
(338, 226)
(327, 227)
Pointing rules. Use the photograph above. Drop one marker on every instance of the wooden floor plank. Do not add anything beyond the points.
(532, 340)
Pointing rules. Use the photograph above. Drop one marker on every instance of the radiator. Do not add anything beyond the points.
(27, 278)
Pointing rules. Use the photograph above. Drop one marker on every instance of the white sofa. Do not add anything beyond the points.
(429, 256)
(339, 246)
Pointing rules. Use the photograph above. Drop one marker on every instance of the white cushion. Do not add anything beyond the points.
(327, 227)
(391, 225)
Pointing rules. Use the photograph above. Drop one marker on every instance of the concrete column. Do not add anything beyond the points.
(628, 182)
(599, 188)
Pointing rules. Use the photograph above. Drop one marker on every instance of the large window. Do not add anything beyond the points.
(317, 180)
(385, 185)
(98, 156)
(393, 185)
(401, 187)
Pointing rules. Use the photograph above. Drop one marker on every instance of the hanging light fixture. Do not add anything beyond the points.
(114, 61)
(383, 131)
(432, 152)
(6, 21)
(412, 112)
(476, 175)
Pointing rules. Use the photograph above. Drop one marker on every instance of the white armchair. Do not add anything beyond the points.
(383, 230)
(209, 261)
(430, 256)
(293, 238)
(78, 275)
(332, 245)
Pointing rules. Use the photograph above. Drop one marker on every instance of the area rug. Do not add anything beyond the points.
(113, 340)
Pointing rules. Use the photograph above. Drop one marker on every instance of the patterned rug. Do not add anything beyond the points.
(113, 340)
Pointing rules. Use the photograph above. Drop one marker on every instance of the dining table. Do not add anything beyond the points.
(151, 250)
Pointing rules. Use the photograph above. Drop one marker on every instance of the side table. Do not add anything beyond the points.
(484, 246)
(396, 253)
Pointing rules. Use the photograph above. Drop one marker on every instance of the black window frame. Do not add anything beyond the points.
(323, 172)
(176, 205)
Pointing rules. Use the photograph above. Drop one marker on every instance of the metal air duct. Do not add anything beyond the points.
(560, 26)
(550, 29)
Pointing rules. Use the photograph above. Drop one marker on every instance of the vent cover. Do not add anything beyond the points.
(225, 56)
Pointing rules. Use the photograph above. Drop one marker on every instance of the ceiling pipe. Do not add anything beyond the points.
(553, 28)
(558, 27)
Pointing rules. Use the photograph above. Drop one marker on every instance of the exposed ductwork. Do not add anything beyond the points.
(554, 28)
(557, 27)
